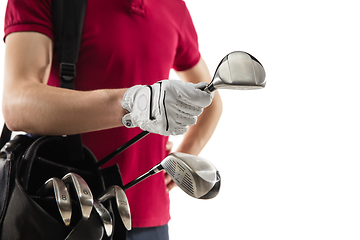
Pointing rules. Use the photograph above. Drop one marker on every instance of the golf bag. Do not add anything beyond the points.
(27, 162)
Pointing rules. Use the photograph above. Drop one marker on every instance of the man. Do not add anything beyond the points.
(124, 43)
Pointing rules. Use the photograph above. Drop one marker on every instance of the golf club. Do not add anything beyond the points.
(105, 217)
(83, 192)
(240, 71)
(62, 197)
(121, 202)
(194, 175)
(237, 70)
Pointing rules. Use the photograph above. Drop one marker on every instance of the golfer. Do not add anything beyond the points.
(127, 50)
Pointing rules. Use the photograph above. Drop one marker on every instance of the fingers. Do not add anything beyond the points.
(169, 146)
(188, 109)
(170, 186)
(192, 94)
(169, 183)
(185, 119)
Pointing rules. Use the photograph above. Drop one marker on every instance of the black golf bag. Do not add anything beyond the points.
(25, 164)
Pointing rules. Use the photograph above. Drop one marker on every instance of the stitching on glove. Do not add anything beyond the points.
(151, 93)
(167, 121)
(159, 98)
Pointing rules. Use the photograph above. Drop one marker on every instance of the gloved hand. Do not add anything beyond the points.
(167, 107)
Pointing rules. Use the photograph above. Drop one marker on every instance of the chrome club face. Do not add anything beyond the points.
(62, 197)
(83, 192)
(194, 175)
(238, 70)
(121, 201)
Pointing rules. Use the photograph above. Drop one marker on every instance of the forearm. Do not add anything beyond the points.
(30, 105)
(198, 135)
(40, 109)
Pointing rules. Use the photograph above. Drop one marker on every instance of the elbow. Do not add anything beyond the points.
(11, 117)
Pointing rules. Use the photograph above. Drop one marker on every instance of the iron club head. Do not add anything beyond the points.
(83, 192)
(121, 202)
(238, 70)
(61, 196)
(105, 217)
(194, 175)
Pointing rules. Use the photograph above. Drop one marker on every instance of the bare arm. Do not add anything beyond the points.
(30, 105)
(198, 135)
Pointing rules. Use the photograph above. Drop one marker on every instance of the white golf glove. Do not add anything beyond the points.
(167, 107)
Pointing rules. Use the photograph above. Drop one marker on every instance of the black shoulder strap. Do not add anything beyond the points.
(5, 136)
(68, 22)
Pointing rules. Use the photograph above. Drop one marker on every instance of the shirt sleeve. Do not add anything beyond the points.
(28, 16)
(187, 53)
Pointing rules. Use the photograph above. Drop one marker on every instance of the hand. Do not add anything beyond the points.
(166, 107)
(168, 181)
(170, 184)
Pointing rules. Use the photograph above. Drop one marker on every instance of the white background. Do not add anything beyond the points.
(288, 154)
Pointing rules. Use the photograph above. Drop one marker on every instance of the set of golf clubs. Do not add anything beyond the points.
(194, 175)
(60, 189)
(86, 200)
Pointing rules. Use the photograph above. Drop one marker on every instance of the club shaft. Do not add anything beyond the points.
(149, 173)
(121, 149)
(209, 88)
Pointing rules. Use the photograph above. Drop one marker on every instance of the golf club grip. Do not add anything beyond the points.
(209, 88)
(121, 149)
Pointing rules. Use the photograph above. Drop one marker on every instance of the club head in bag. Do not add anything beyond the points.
(83, 192)
(62, 197)
(121, 202)
(194, 175)
(105, 217)
(238, 70)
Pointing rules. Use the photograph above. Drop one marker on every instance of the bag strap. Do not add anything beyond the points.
(5, 136)
(68, 22)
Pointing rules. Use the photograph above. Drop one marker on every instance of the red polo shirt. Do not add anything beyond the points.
(123, 44)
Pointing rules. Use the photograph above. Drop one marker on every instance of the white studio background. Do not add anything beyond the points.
(288, 154)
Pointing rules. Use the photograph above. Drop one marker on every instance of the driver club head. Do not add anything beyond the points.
(83, 192)
(121, 202)
(194, 175)
(62, 197)
(238, 70)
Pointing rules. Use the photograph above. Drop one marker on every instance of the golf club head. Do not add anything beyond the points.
(105, 217)
(121, 202)
(62, 197)
(194, 175)
(238, 70)
(83, 192)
